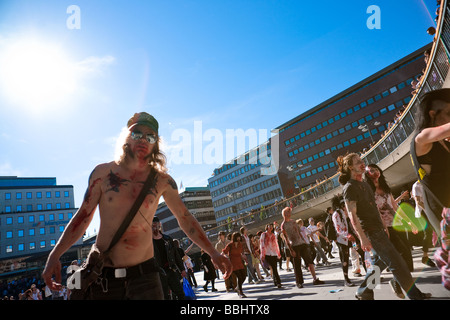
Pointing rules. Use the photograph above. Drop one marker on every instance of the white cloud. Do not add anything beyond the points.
(6, 169)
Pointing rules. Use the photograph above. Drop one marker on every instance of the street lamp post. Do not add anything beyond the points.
(232, 196)
(365, 128)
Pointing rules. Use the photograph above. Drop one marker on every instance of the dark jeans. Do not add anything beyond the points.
(297, 262)
(385, 255)
(191, 278)
(344, 255)
(146, 287)
(171, 281)
(401, 243)
(272, 261)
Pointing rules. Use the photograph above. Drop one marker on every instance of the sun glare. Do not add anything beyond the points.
(36, 76)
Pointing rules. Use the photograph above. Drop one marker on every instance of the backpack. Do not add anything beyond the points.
(330, 231)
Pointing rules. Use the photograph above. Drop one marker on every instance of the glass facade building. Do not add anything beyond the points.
(245, 183)
(33, 214)
(349, 122)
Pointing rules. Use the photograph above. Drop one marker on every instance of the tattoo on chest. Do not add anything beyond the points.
(115, 182)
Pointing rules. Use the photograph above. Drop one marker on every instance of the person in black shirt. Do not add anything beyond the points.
(169, 261)
(365, 218)
(431, 146)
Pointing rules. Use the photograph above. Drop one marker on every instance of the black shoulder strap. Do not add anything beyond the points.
(137, 204)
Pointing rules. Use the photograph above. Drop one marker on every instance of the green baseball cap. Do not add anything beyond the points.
(145, 119)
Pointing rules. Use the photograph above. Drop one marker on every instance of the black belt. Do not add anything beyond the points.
(145, 267)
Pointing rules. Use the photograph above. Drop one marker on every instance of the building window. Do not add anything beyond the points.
(31, 232)
(20, 219)
(19, 195)
(9, 220)
(39, 195)
(20, 233)
(66, 194)
(32, 245)
(41, 231)
(7, 196)
(31, 218)
(57, 194)
(29, 195)
(48, 194)
(9, 249)
(42, 244)
(9, 234)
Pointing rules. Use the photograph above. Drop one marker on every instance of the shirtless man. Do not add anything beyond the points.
(114, 187)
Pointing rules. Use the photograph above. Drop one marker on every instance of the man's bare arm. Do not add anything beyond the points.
(189, 224)
(424, 140)
(74, 231)
(351, 209)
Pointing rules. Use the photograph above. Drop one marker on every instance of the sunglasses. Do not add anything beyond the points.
(150, 137)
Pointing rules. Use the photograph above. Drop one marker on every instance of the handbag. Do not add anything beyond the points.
(92, 268)
(188, 292)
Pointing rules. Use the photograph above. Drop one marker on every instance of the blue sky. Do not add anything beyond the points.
(242, 64)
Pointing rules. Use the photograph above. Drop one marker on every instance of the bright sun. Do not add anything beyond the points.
(35, 75)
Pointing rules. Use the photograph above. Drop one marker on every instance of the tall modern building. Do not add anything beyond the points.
(348, 122)
(247, 182)
(33, 215)
(198, 201)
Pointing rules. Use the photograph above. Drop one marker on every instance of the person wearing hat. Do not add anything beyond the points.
(131, 271)
(431, 145)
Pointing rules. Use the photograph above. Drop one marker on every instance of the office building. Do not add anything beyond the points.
(247, 182)
(33, 214)
(348, 122)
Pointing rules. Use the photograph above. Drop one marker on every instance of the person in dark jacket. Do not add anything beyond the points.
(170, 263)
(209, 271)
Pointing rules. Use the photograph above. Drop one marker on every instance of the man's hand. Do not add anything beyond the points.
(52, 268)
(365, 244)
(222, 263)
